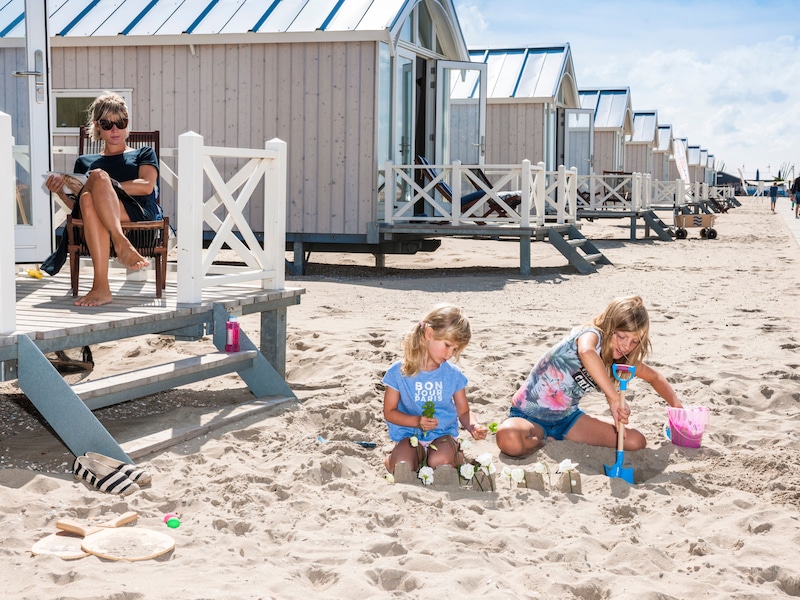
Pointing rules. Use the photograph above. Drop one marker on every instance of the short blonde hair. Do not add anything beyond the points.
(447, 322)
(107, 104)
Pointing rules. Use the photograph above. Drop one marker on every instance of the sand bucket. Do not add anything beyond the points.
(686, 425)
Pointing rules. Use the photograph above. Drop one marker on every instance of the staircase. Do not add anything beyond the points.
(654, 222)
(578, 249)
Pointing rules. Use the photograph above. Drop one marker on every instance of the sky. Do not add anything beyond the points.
(725, 75)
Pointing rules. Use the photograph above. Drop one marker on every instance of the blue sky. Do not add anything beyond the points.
(725, 75)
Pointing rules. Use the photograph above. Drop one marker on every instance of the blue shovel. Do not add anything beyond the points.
(623, 374)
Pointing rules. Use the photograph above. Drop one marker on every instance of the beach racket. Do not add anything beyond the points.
(127, 543)
(67, 545)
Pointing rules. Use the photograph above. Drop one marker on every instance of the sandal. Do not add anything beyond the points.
(138, 476)
(102, 477)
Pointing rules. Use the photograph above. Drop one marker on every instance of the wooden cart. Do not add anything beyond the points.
(704, 221)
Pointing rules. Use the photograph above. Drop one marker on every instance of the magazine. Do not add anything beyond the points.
(73, 182)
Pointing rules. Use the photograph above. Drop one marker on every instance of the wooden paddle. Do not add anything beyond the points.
(127, 543)
(67, 545)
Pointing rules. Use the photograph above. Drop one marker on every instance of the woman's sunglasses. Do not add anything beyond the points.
(106, 125)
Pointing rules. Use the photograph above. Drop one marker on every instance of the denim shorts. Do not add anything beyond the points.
(557, 430)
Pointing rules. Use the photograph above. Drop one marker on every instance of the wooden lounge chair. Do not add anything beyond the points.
(150, 238)
(512, 199)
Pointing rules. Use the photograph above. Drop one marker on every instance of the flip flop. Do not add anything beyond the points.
(138, 476)
(102, 477)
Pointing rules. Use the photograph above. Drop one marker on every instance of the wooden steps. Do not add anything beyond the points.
(103, 392)
(579, 250)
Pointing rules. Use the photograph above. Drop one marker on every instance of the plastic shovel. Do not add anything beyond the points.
(623, 374)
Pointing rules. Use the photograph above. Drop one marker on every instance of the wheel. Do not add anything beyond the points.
(712, 233)
(680, 233)
(703, 232)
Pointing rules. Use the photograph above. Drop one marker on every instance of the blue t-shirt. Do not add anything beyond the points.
(558, 381)
(438, 385)
(125, 167)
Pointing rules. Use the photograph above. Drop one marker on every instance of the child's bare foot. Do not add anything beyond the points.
(129, 257)
(95, 298)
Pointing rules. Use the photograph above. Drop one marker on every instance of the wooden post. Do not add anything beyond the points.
(190, 217)
(8, 181)
(275, 213)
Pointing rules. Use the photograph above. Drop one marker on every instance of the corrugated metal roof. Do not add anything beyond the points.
(693, 154)
(612, 108)
(529, 72)
(664, 138)
(645, 127)
(76, 18)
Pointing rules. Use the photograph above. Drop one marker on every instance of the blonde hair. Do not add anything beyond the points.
(447, 322)
(105, 105)
(628, 315)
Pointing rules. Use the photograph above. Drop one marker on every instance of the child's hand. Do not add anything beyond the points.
(479, 432)
(428, 423)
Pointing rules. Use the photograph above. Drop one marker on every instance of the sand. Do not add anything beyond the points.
(268, 511)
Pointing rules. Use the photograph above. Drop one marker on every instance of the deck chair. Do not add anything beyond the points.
(150, 238)
(513, 199)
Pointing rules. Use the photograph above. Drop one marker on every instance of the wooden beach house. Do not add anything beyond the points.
(532, 96)
(347, 84)
(641, 144)
(662, 153)
(613, 121)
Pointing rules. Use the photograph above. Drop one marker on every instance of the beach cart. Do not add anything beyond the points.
(704, 221)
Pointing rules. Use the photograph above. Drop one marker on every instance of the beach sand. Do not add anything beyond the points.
(268, 511)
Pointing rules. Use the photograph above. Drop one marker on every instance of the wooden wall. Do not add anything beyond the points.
(605, 150)
(320, 98)
(514, 132)
(638, 158)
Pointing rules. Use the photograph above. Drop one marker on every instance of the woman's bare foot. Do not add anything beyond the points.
(129, 257)
(95, 298)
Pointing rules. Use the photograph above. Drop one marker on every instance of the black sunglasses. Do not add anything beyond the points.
(106, 125)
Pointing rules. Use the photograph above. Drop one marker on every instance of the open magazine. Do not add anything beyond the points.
(73, 182)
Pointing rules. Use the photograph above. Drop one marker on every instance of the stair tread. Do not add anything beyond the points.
(162, 372)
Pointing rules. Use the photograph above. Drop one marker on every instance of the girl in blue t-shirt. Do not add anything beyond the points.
(425, 378)
(546, 406)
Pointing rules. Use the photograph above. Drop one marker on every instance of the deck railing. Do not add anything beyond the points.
(422, 194)
(223, 212)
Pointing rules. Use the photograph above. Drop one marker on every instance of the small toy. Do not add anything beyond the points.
(172, 520)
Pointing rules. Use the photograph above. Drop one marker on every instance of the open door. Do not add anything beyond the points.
(579, 140)
(25, 96)
(460, 112)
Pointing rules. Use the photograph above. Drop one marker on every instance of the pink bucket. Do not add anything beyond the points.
(686, 425)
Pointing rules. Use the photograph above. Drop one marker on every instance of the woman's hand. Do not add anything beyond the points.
(55, 183)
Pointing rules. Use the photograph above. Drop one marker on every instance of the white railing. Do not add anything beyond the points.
(8, 190)
(196, 269)
(519, 195)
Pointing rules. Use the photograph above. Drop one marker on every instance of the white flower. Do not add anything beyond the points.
(484, 459)
(488, 469)
(566, 465)
(426, 474)
(467, 471)
(517, 475)
(539, 467)
(464, 443)
(506, 472)
(413, 441)
(389, 477)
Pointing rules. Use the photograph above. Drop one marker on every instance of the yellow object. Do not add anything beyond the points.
(36, 273)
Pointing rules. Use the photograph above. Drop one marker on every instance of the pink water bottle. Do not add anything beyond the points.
(232, 335)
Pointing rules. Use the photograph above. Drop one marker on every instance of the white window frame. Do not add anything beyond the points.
(126, 93)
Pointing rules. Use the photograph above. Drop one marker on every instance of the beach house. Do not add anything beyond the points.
(641, 144)
(613, 121)
(662, 152)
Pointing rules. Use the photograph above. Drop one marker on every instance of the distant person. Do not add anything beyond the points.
(773, 195)
(796, 197)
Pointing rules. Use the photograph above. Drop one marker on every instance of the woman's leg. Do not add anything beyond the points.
(102, 215)
(518, 437)
(593, 431)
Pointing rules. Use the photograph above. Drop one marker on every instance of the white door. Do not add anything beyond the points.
(460, 112)
(579, 140)
(25, 83)
(404, 108)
